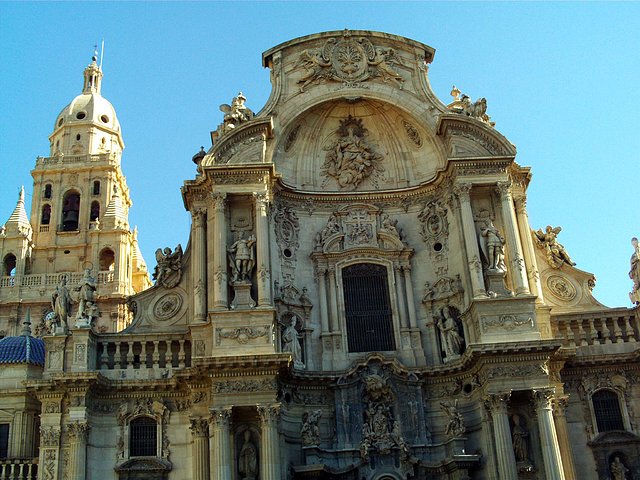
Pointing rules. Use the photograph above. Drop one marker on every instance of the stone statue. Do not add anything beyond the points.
(310, 432)
(492, 246)
(168, 271)
(618, 470)
(61, 304)
(389, 226)
(315, 66)
(634, 273)
(235, 114)
(519, 436)
(452, 341)
(248, 459)
(462, 104)
(455, 426)
(291, 342)
(556, 253)
(242, 258)
(330, 228)
(87, 308)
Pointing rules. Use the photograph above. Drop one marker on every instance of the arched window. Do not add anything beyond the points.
(95, 211)
(9, 265)
(45, 219)
(96, 187)
(47, 191)
(107, 260)
(70, 211)
(143, 437)
(368, 308)
(606, 408)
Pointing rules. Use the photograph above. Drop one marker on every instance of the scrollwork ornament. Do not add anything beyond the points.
(49, 436)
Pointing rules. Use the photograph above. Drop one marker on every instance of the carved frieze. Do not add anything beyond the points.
(513, 371)
(245, 386)
(242, 335)
(505, 322)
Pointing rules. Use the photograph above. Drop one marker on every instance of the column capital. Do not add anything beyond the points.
(219, 200)
(78, 431)
(269, 414)
(49, 436)
(543, 398)
(504, 189)
(220, 417)
(199, 427)
(462, 191)
(559, 405)
(198, 216)
(497, 402)
(261, 198)
(520, 201)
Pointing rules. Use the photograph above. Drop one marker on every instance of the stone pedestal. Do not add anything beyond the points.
(242, 296)
(495, 283)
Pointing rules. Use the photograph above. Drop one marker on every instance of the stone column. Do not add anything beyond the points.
(527, 245)
(322, 299)
(548, 439)
(497, 404)
(220, 446)
(402, 299)
(262, 249)
(462, 191)
(49, 452)
(333, 302)
(78, 433)
(200, 449)
(411, 307)
(514, 247)
(199, 265)
(270, 442)
(220, 297)
(559, 407)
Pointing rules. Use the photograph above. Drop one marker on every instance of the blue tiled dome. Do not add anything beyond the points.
(22, 349)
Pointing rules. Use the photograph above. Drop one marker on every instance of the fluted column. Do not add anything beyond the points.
(262, 249)
(220, 297)
(527, 246)
(200, 449)
(199, 265)
(462, 191)
(497, 404)
(333, 302)
(514, 247)
(559, 407)
(322, 299)
(270, 442)
(548, 439)
(49, 452)
(78, 433)
(411, 307)
(402, 298)
(220, 446)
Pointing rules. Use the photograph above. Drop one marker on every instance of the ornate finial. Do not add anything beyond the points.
(21, 196)
(455, 93)
(26, 325)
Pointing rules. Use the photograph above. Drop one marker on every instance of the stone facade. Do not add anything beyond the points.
(362, 297)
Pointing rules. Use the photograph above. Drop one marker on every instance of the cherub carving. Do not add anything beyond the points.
(236, 113)
(556, 253)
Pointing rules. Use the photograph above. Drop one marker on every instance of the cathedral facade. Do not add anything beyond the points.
(362, 297)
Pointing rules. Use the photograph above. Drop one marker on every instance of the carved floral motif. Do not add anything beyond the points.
(241, 335)
(167, 306)
(561, 288)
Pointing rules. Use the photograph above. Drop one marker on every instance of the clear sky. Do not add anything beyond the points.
(557, 78)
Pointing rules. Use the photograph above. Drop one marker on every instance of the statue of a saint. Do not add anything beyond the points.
(452, 341)
(291, 342)
(492, 243)
(242, 258)
(310, 432)
(519, 436)
(87, 308)
(61, 303)
(618, 470)
(248, 459)
(634, 272)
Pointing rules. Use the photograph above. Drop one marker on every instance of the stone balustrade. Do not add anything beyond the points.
(615, 326)
(19, 469)
(135, 352)
(69, 159)
(52, 279)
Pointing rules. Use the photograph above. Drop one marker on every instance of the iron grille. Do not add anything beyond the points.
(606, 407)
(368, 308)
(143, 437)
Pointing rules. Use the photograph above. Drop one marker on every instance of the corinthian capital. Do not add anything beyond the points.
(220, 417)
(219, 200)
(269, 414)
(497, 402)
(462, 191)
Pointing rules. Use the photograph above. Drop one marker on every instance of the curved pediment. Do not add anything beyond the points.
(467, 137)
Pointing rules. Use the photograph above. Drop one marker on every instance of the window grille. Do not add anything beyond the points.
(606, 407)
(4, 440)
(368, 308)
(143, 437)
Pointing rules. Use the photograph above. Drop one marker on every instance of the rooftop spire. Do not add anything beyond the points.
(26, 325)
(93, 75)
(18, 219)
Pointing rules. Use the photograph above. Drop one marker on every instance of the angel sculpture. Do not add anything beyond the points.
(556, 253)
(236, 113)
(455, 426)
(168, 271)
(315, 66)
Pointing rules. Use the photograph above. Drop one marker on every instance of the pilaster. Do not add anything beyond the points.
(462, 191)
(559, 405)
(78, 434)
(262, 250)
(199, 265)
(270, 442)
(220, 297)
(527, 245)
(514, 247)
(200, 448)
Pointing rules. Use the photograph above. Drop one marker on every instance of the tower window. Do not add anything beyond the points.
(107, 260)
(70, 211)
(4, 440)
(95, 211)
(47, 190)
(80, 115)
(45, 219)
(368, 308)
(9, 265)
(96, 186)
(60, 121)
(143, 437)
(78, 137)
(606, 407)
(104, 119)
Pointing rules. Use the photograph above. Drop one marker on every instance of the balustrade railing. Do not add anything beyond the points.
(598, 328)
(133, 352)
(52, 279)
(19, 469)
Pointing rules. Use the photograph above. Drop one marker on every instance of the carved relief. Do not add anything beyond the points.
(434, 224)
(168, 270)
(291, 138)
(507, 371)
(244, 386)
(455, 422)
(412, 133)
(462, 104)
(49, 436)
(548, 241)
(561, 288)
(242, 335)
(352, 158)
(444, 288)
(505, 322)
(310, 431)
(451, 333)
(167, 306)
(359, 228)
(287, 228)
(234, 114)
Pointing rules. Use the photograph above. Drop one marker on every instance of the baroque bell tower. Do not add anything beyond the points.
(79, 214)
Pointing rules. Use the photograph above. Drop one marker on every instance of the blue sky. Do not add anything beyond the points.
(560, 81)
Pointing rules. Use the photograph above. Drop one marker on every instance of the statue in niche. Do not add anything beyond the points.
(634, 273)
(61, 304)
(351, 158)
(168, 271)
(519, 436)
(618, 470)
(242, 258)
(310, 432)
(291, 342)
(492, 246)
(87, 308)
(332, 226)
(452, 341)
(556, 253)
(248, 459)
(455, 426)
(235, 114)
(390, 226)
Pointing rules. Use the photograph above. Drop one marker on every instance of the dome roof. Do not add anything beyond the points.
(22, 349)
(88, 108)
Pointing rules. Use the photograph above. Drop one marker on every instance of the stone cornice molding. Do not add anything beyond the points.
(223, 147)
(454, 124)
